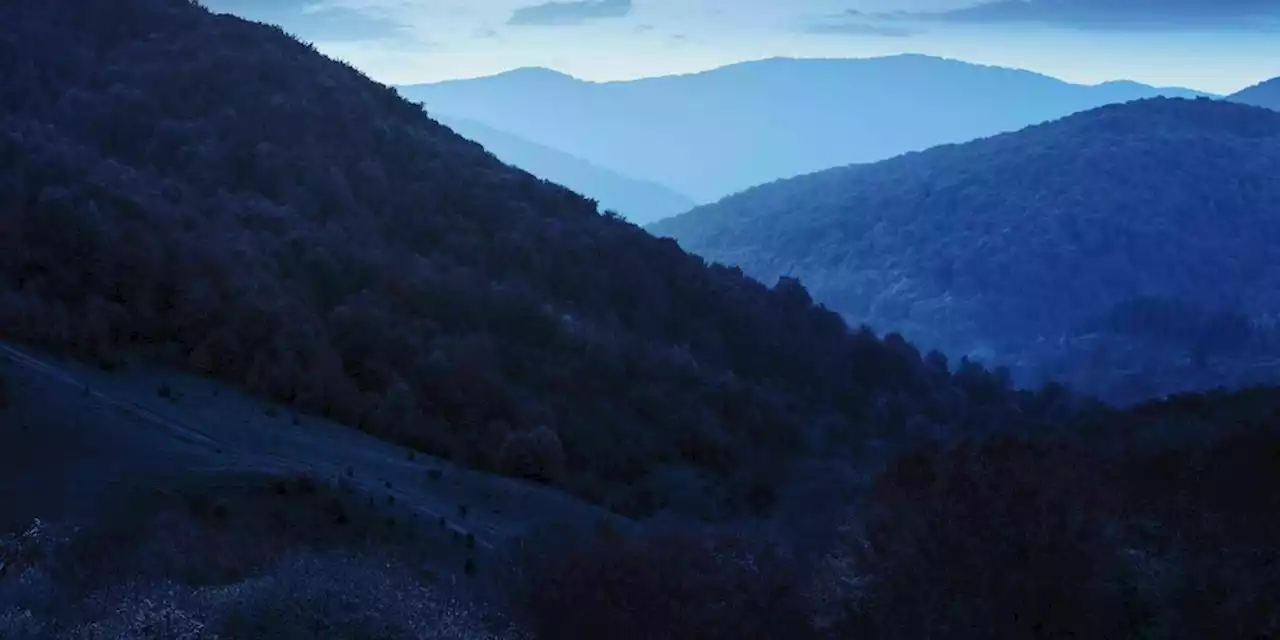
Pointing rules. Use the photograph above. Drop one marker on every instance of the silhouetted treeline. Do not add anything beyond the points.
(1160, 522)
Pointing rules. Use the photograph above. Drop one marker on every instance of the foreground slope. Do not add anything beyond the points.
(717, 132)
(239, 523)
(1157, 220)
(79, 443)
(212, 193)
(205, 513)
(1264, 94)
(637, 201)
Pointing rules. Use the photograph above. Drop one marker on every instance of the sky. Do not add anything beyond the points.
(1219, 46)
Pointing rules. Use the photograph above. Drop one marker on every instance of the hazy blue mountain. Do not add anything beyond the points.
(638, 201)
(1264, 94)
(1044, 249)
(714, 133)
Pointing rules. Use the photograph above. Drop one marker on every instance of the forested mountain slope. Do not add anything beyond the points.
(209, 191)
(1131, 249)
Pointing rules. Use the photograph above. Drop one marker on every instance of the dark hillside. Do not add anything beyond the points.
(206, 190)
(1130, 250)
(1154, 522)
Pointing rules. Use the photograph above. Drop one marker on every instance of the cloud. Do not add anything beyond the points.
(570, 13)
(855, 26)
(1241, 15)
(317, 20)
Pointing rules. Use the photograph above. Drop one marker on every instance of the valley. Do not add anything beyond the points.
(950, 350)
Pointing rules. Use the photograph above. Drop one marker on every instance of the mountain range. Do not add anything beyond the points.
(1154, 219)
(281, 356)
(717, 132)
(1264, 94)
(636, 200)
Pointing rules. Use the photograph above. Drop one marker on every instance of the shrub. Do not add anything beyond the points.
(34, 547)
(142, 612)
(337, 596)
(536, 454)
(303, 594)
(1215, 528)
(670, 586)
(21, 624)
(998, 540)
(28, 593)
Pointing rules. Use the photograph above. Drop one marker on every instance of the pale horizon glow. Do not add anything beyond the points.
(427, 41)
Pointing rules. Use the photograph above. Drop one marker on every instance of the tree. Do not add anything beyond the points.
(536, 454)
(794, 291)
(394, 410)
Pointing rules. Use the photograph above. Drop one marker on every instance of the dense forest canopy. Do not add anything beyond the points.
(197, 187)
(1130, 250)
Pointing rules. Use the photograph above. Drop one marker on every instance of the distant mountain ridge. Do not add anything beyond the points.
(1154, 220)
(713, 133)
(1264, 94)
(639, 201)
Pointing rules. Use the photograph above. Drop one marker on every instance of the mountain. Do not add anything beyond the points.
(714, 133)
(1137, 238)
(211, 194)
(638, 201)
(1264, 94)
(247, 252)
